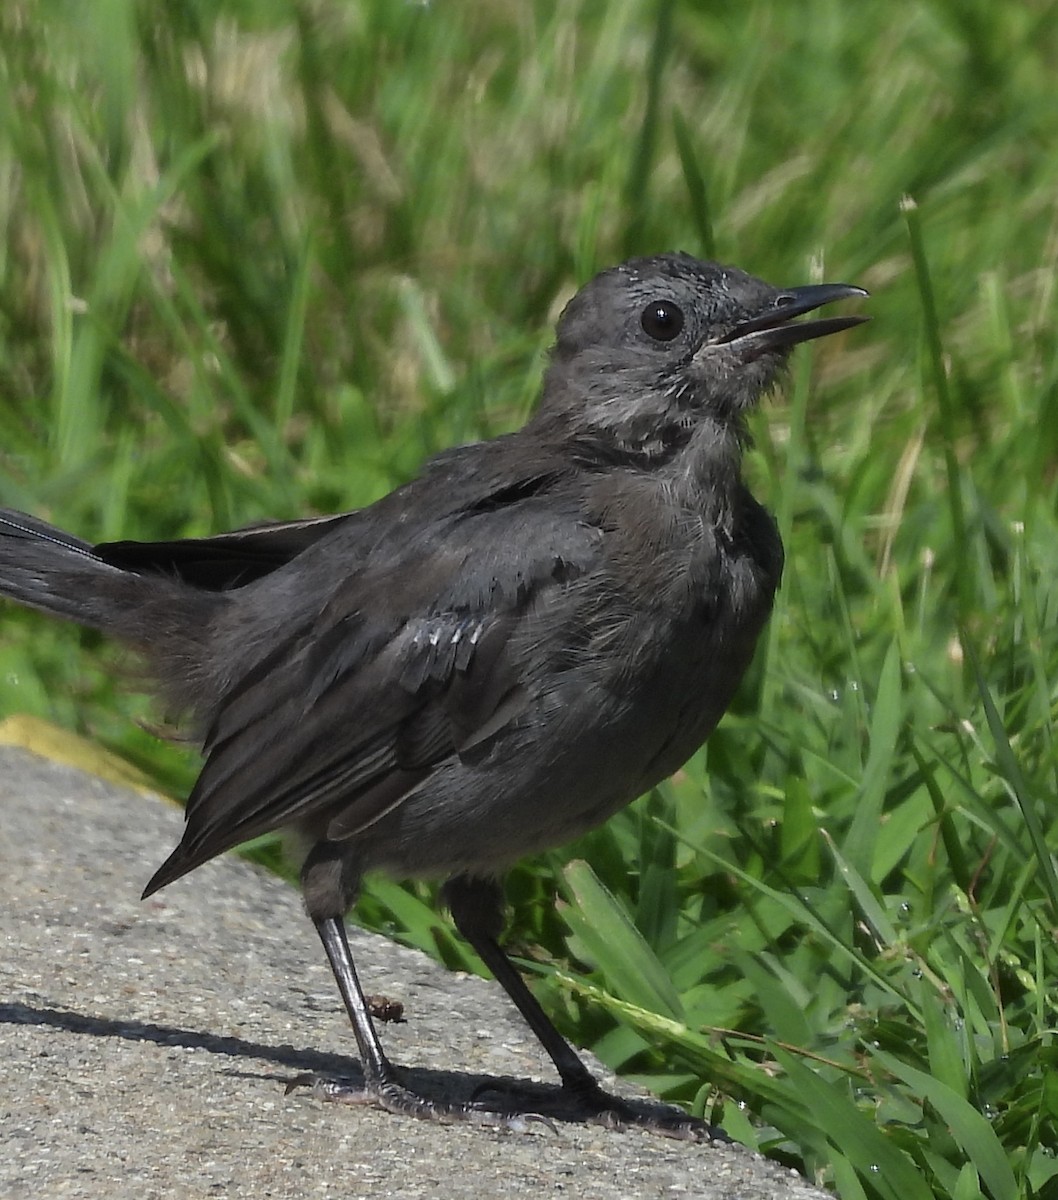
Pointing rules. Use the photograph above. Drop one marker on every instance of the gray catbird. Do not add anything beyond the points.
(491, 659)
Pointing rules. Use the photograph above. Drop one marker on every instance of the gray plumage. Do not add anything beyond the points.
(496, 656)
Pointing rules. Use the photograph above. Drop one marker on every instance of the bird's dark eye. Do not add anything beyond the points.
(662, 320)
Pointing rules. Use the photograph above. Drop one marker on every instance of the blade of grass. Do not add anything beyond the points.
(939, 380)
(601, 925)
(803, 913)
(886, 715)
(643, 156)
(872, 911)
(297, 309)
(697, 189)
(877, 1159)
(1011, 772)
(975, 1136)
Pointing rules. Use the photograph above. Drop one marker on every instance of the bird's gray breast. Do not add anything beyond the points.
(626, 668)
(652, 646)
(714, 596)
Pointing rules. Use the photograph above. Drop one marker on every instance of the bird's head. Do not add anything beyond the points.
(649, 349)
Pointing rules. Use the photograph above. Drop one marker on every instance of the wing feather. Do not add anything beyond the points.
(406, 665)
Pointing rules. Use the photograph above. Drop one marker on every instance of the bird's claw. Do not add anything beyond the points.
(599, 1107)
(394, 1097)
(587, 1102)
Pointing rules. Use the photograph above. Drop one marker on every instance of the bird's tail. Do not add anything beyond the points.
(47, 569)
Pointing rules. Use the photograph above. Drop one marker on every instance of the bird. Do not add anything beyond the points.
(488, 661)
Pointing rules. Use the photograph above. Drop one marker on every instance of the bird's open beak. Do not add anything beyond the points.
(775, 328)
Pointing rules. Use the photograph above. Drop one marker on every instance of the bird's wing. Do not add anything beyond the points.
(407, 665)
(458, 479)
(224, 560)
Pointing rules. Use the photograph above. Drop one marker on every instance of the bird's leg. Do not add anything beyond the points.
(382, 1085)
(476, 906)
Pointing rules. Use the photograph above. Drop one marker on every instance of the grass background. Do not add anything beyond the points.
(260, 257)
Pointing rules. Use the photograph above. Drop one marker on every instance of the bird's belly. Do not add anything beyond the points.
(578, 755)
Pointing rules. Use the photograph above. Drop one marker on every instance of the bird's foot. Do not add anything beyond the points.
(665, 1120)
(394, 1097)
(586, 1101)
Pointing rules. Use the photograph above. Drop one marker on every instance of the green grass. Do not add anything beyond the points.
(261, 257)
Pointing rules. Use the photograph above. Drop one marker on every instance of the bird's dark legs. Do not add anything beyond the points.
(476, 906)
(382, 1085)
(377, 1068)
(477, 910)
(329, 881)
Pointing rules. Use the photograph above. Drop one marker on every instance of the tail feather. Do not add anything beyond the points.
(159, 614)
(50, 570)
(20, 524)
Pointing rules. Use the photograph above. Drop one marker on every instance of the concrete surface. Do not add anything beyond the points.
(144, 1047)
